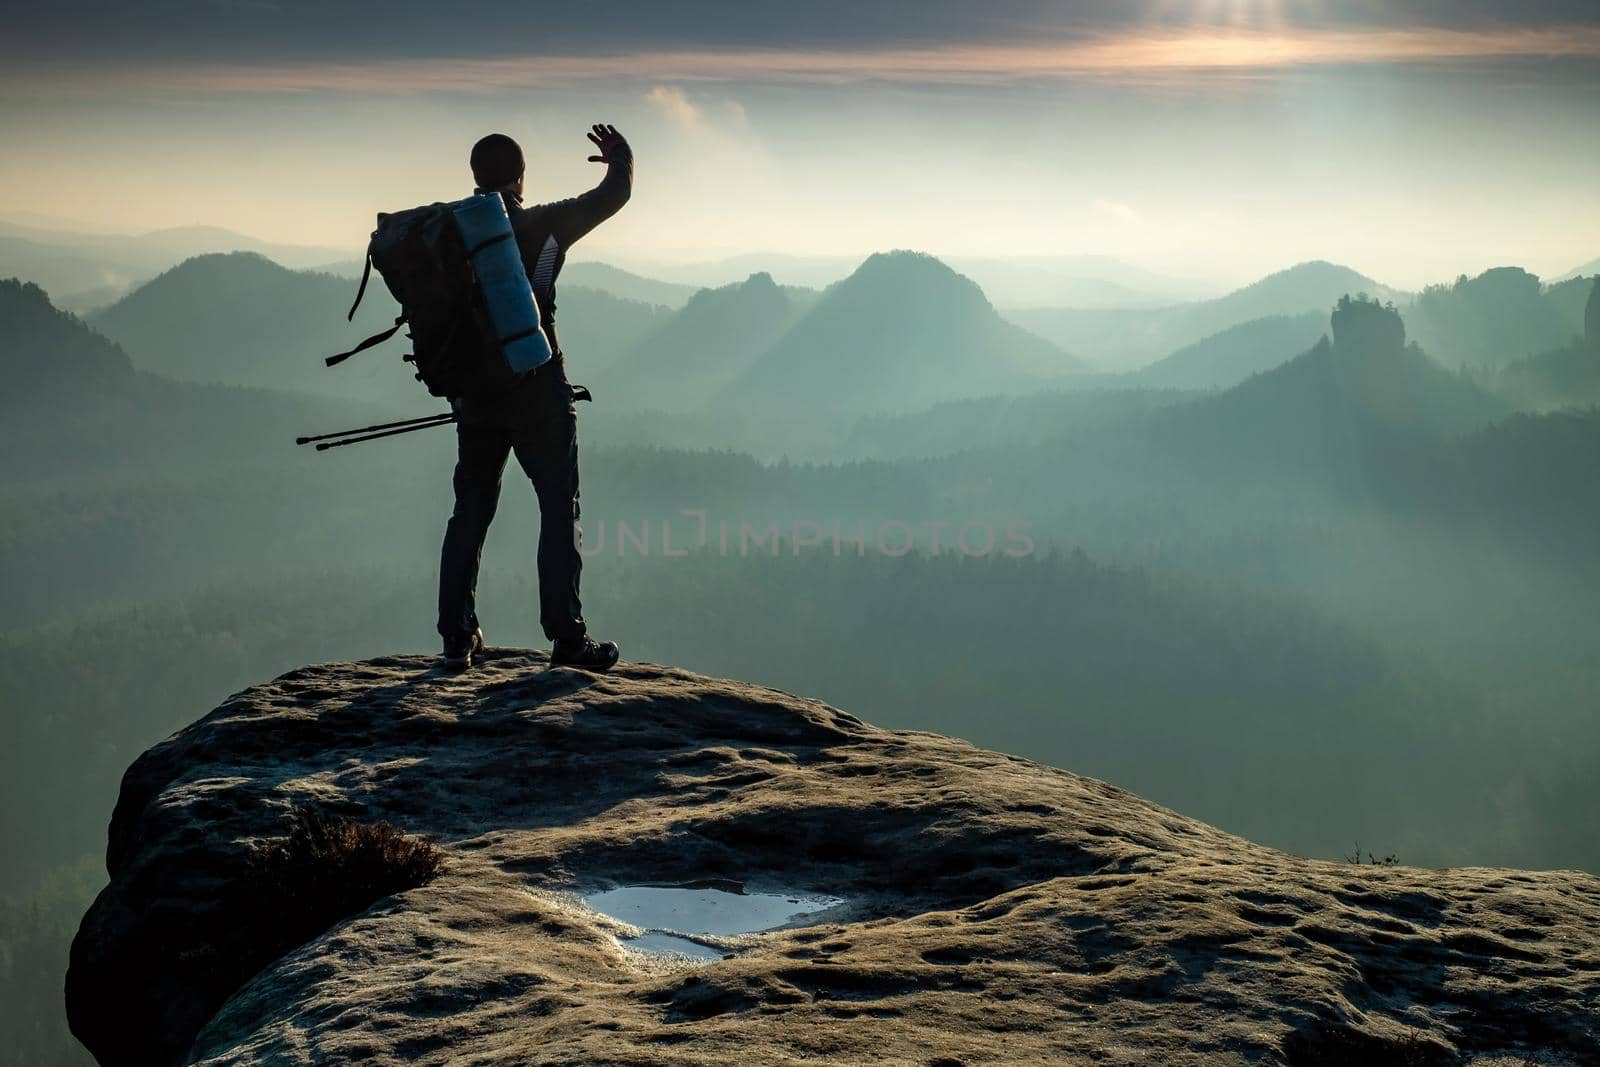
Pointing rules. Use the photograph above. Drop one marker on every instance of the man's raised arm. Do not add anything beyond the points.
(571, 219)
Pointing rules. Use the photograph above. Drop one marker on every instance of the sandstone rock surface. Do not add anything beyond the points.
(998, 911)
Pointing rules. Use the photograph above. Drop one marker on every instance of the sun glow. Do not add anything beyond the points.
(1236, 14)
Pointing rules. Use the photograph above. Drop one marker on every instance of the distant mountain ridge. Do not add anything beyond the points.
(626, 284)
(1327, 412)
(45, 350)
(1588, 269)
(89, 268)
(1088, 281)
(1563, 377)
(241, 319)
(1497, 317)
(812, 272)
(1225, 359)
(903, 332)
(714, 338)
(1312, 286)
(238, 318)
(75, 403)
(1009, 281)
(1126, 339)
(78, 281)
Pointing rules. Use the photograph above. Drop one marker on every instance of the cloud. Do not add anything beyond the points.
(674, 104)
(1175, 53)
(711, 120)
(1119, 210)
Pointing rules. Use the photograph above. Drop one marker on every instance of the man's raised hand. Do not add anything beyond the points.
(608, 141)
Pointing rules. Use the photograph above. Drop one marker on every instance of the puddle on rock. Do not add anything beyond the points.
(671, 945)
(671, 917)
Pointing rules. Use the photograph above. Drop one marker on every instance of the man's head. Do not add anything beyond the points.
(497, 163)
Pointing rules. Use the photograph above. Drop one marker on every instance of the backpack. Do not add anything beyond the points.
(452, 296)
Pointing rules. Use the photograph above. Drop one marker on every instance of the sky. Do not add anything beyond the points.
(1214, 139)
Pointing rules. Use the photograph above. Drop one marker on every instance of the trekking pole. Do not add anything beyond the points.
(445, 420)
(419, 423)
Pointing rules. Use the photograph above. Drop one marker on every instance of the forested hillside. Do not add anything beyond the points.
(1500, 316)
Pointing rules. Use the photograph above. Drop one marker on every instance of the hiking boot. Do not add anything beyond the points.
(463, 651)
(585, 653)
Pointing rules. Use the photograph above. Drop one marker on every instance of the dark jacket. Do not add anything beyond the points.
(545, 231)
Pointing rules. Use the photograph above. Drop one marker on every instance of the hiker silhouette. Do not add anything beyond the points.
(535, 418)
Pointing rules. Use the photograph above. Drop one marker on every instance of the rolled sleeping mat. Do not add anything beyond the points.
(513, 309)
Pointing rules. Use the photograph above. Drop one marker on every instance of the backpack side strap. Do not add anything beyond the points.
(375, 339)
(361, 291)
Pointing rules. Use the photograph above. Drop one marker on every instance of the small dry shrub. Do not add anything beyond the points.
(331, 867)
(1334, 1045)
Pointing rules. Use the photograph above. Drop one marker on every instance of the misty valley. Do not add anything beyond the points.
(1314, 561)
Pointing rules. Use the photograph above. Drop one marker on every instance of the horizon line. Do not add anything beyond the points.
(643, 268)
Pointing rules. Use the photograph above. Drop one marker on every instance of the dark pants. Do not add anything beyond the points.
(538, 421)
